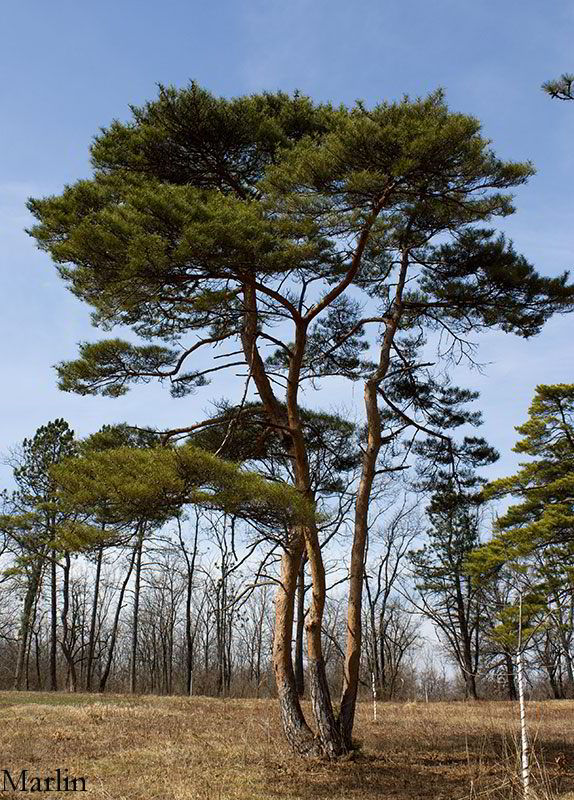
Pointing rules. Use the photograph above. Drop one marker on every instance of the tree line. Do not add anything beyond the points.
(187, 607)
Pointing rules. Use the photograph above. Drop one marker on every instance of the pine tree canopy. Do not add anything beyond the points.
(243, 434)
(35, 512)
(203, 214)
(544, 517)
(129, 484)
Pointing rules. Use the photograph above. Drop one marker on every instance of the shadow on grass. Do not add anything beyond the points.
(463, 768)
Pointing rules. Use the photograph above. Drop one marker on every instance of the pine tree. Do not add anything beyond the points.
(535, 537)
(271, 222)
(450, 596)
(34, 525)
(544, 517)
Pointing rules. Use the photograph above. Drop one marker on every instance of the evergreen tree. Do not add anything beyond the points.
(449, 595)
(127, 484)
(544, 517)
(108, 438)
(268, 221)
(34, 525)
(123, 484)
(535, 537)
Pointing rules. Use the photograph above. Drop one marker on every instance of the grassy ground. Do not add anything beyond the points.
(203, 749)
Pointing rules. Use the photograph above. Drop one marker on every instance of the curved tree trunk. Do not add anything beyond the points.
(296, 729)
(357, 567)
(328, 733)
(298, 733)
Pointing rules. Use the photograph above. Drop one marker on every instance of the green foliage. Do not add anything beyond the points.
(450, 596)
(50, 444)
(198, 198)
(212, 223)
(191, 137)
(36, 513)
(515, 622)
(481, 281)
(334, 345)
(445, 465)
(127, 484)
(243, 434)
(544, 517)
(561, 89)
(105, 367)
(119, 435)
(440, 563)
(454, 511)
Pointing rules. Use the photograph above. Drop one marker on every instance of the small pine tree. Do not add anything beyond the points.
(33, 525)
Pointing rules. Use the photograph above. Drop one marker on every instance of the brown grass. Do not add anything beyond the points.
(153, 748)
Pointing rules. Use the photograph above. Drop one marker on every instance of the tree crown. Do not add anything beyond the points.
(309, 209)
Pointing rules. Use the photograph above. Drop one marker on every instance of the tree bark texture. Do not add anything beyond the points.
(357, 566)
(298, 733)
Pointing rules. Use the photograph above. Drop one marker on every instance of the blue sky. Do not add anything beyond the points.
(70, 67)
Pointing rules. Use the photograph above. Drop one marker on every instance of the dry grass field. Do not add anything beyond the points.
(158, 748)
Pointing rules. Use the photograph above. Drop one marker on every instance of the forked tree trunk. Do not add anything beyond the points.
(328, 734)
(297, 732)
(328, 740)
